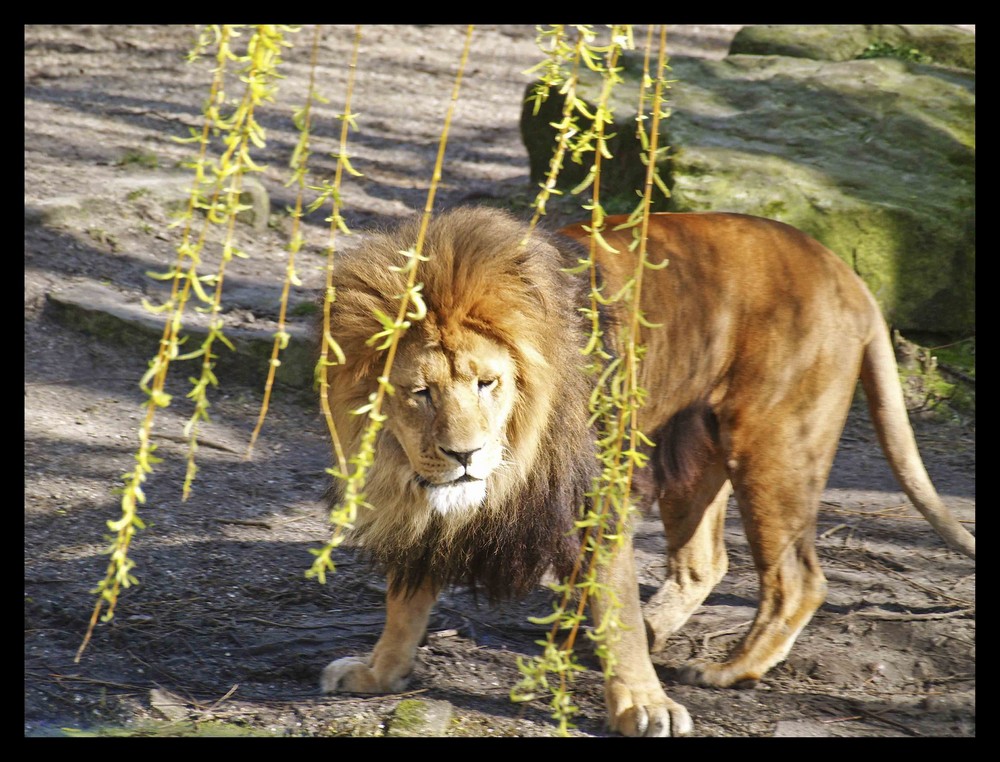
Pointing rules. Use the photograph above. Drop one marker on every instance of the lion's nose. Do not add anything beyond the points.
(463, 457)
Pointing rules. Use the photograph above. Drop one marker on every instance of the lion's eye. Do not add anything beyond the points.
(421, 392)
(488, 385)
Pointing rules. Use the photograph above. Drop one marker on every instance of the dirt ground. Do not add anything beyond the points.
(224, 634)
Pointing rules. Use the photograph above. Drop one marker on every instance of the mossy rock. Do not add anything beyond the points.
(420, 717)
(874, 157)
(933, 43)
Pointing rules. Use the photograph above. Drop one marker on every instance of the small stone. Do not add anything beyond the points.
(420, 717)
(801, 729)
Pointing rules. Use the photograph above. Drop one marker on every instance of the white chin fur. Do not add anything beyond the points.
(448, 499)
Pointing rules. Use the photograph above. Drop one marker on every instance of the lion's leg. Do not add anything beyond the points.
(792, 587)
(391, 662)
(636, 702)
(696, 553)
(778, 474)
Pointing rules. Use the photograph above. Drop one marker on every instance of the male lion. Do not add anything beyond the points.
(762, 334)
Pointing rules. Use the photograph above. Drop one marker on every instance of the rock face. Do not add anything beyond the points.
(874, 157)
(944, 45)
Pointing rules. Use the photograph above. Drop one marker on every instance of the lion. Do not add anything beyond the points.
(488, 452)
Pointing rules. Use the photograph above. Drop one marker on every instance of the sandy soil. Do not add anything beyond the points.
(223, 632)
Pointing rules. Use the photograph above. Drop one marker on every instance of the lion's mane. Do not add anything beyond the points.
(478, 276)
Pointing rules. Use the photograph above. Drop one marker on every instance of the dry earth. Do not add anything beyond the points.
(224, 634)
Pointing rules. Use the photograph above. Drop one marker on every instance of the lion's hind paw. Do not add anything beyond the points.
(713, 675)
(349, 675)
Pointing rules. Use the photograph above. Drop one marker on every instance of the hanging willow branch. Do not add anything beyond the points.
(411, 308)
(617, 395)
(222, 179)
(299, 164)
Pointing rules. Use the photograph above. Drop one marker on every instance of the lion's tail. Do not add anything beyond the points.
(880, 379)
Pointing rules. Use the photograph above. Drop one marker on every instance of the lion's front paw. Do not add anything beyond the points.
(354, 675)
(645, 711)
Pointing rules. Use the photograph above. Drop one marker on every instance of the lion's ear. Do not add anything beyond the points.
(541, 281)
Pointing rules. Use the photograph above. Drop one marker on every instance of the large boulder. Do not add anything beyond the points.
(946, 45)
(875, 157)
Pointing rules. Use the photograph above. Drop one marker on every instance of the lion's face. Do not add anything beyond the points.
(454, 392)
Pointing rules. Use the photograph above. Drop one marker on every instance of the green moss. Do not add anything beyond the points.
(888, 50)
(409, 715)
(940, 378)
(140, 158)
(774, 210)
(960, 355)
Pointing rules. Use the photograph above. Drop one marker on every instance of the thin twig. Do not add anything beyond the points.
(854, 718)
(327, 625)
(951, 370)
(875, 716)
(93, 681)
(956, 678)
(832, 530)
(736, 629)
(911, 616)
(225, 697)
(883, 514)
(931, 591)
(77, 380)
(244, 522)
(211, 443)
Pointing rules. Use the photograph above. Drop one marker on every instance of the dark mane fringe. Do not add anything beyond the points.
(504, 553)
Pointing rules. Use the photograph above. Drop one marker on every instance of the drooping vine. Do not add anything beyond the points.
(216, 192)
(411, 308)
(617, 395)
(299, 164)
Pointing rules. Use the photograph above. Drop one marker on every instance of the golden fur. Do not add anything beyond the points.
(485, 293)
(487, 451)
